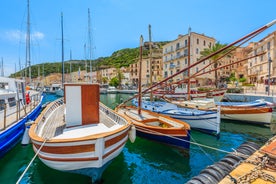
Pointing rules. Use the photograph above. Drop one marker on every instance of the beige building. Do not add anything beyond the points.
(175, 57)
(258, 67)
(233, 65)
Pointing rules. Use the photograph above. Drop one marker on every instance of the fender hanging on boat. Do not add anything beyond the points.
(132, 134)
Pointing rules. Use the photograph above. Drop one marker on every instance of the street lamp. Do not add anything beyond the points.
(268, 87)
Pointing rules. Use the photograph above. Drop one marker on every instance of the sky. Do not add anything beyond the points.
(118, 24)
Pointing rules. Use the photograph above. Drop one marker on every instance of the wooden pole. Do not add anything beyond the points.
(140, 75)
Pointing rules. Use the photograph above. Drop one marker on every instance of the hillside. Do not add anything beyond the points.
(120, 58)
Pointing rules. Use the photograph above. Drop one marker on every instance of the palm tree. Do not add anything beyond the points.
(214, 59)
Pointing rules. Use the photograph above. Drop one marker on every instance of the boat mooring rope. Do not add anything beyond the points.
(31, 162)
(195, 143)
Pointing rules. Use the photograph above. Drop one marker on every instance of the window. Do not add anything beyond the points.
(197, 41)
(197, 50)
(204, 43)
(12, 102)
(186, 43)
(2, 104)
(177, 46)
(268, 45)
(186, 61)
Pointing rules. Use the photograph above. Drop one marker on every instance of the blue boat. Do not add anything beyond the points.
(207, 121)
(16, 111)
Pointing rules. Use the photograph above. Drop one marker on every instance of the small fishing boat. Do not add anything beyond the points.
(17, 107)
(207, 121)
(261, 115)
(158, 127)
(217, 94)
(257, 112)
(79, 134)
(255, 103)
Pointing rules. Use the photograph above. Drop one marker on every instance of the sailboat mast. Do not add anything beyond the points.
(90, 45)
(150, 61)
(28, 50)
(140, 75)
(189, 63)
(2, 68)
(62, 51)
(70, 65)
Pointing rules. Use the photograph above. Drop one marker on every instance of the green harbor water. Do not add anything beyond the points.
(140, 162)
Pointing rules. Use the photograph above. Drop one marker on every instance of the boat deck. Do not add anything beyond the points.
(132, 113)
(56, 127)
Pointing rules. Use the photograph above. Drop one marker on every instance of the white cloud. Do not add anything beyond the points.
(16, 35)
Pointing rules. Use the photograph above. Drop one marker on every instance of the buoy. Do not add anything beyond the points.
(132, 134)
(26, 138)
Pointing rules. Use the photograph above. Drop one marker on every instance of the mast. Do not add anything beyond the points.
(71, 65)
(90, 45)
(189, 63)
(150, 61)
(62, 51)
(2, 68)
(252, 34)
(28, 50)
(140, 73)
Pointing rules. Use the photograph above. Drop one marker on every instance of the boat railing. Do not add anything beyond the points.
(46, 119)
(112, 115)
(13, 110)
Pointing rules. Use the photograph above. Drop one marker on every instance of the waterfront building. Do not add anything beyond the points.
(258, 67)
(175, 57)
(155, 61)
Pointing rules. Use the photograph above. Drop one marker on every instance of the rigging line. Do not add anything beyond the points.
(207, 155)
(228, 52)
(256, 32)
(195, 143)
(31, 162)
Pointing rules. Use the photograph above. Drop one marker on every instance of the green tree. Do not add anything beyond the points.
(232, 78)
(114, 82)
(214, 48)
(105, 80)
(243, 79)
(120, 77)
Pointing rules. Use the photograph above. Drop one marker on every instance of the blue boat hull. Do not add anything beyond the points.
(12, 135)
(179, 142)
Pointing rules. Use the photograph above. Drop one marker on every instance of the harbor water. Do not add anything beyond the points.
(140, 162)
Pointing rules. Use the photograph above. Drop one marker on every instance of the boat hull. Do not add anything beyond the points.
(206, 123)
(253, 115)
(178, 141)
(86, 157)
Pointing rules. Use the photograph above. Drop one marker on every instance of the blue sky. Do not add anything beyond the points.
(118, 24)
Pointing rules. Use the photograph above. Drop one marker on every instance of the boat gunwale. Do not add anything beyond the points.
(35, 137)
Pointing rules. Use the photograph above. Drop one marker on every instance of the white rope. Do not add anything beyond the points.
(195, 143)
(31, 162)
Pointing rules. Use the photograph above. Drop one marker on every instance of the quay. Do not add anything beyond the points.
(260, 91)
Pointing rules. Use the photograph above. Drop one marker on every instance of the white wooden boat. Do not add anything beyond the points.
(256, 112)
(79, 134)
(261, 115)
(207, 121)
